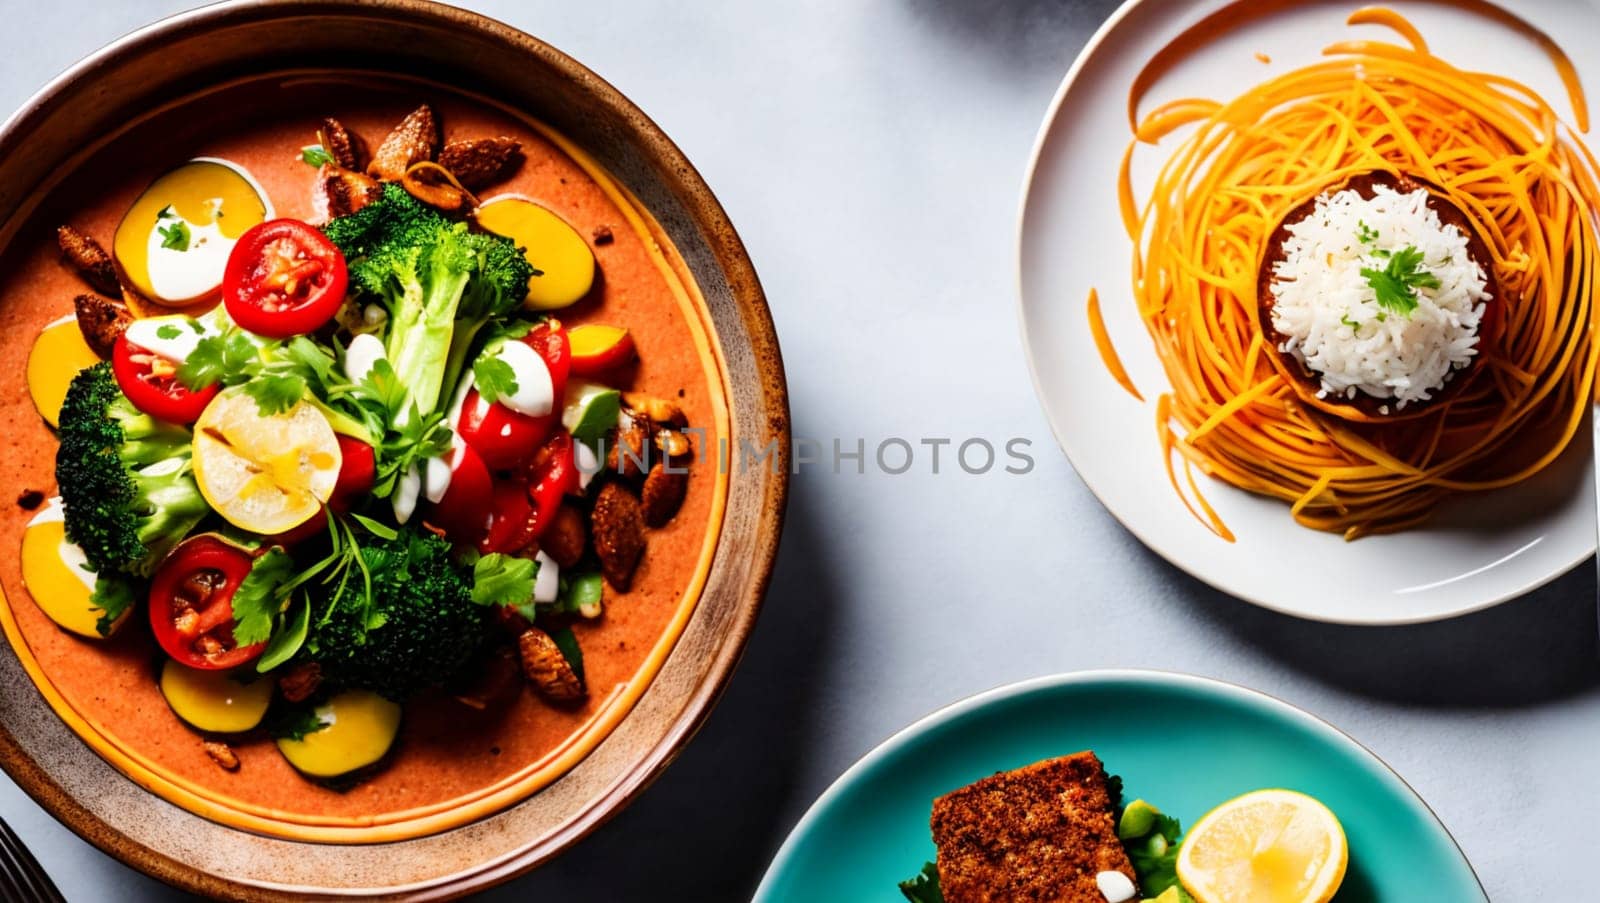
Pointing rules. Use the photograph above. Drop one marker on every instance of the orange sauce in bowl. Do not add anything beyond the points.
(451, 764)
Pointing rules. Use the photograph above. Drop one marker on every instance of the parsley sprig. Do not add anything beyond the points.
(262, 606)
(494, 378)
(1395, 286)
(276, 374)
(315, 155)
(175, 235)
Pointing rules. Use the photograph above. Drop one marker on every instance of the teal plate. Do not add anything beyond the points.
(1184, 743)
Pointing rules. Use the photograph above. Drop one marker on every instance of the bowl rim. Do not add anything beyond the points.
(749, 302)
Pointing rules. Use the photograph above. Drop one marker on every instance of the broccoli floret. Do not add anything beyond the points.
(126, 480)
(421, 628)
(439, 282)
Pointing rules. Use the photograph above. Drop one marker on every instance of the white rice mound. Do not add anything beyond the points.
(1318, 291)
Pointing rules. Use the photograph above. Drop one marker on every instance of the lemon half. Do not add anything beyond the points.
(264, 473)
(1270, 846)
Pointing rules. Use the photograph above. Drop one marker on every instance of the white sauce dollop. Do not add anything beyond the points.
(1115, 887)
(406, 490)
(363, 353)
(71, 555)
(536, 393)
(182, 335)
(179, 275)
(53, 512)
(547, 583)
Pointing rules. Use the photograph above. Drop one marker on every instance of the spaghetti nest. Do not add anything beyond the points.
(1496, 150)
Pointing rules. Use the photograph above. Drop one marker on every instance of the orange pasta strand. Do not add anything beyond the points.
(1501, 154)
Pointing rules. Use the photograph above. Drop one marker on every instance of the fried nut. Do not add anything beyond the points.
(102, 321)
(414, 140)
(567, 537)
(617, 528)
(548, 669)
(673, 443)
(663, 493)
(300, 681)
(479, 162)
(657, 410)
(91, 261)
(628, 452)
(221, 753)
(344, 146)
(347, 190)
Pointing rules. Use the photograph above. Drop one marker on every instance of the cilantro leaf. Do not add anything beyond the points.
(383, 387)
(175, 235)
(168, 331)
(494, 377)
(1365, 233)
(167, 212)
(1345, 319)
(309, 358)
(111, 597)
(315, 155)
(924, 886)
(502, 579)
(1395, 286)
(276, 392)
(217, 357)
(259, 598)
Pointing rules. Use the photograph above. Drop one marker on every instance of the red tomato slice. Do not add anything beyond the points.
(552, 474)
(151, 382)
(283, 278)
(464, 511)
(511, 523)
(191, 604)
(357, 470)
(504, 438)
(358, 467)
(550, 340)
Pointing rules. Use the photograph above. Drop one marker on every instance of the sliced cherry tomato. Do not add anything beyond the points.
(357, 470)
(151, 382)
(502, 437)
(283, 278)
(550, 340)
(191, 604)
(552, 474)
(511, 522)
(464, 510)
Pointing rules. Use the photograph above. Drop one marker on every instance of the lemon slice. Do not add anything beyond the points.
(265, 474)
(1270, 846)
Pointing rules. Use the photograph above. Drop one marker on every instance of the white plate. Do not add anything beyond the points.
(1478, 550)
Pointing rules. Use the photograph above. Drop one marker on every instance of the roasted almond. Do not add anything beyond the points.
(548, 669)
(663, 492)
(344, 146)
(617, 528)
(102, 321)
(414, 140)
(89, 260)
(479, 162)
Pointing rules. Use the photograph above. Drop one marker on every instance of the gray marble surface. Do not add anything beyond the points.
(871, 154)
